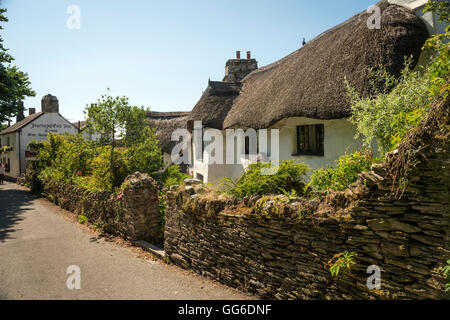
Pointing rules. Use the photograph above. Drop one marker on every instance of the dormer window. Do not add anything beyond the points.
(310, 140)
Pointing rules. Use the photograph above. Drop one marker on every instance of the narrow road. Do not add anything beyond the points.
(39, 241)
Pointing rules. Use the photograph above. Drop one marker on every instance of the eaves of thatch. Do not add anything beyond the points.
(164, 124)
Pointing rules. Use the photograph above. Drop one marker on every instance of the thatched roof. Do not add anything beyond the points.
(215, 103)
(310, 81)
(165, 123)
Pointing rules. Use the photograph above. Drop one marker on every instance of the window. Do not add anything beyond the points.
(247, 148)
(310, 140)
(247, 145)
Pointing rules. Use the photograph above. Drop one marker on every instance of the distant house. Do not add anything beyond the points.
(164, 124)
(15, 139)
(303, 94)
(81, 126)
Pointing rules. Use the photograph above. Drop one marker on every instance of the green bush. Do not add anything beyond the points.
(171, 176)
(344, 173)
(399, 106)
(102, 176)
(289, 178)
(84, 163)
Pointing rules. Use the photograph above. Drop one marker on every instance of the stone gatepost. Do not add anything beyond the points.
(141, 208)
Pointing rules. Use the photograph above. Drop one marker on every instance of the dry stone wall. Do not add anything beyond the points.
(280, 247)
(133, 214)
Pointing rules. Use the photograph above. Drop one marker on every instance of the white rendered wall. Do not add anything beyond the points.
(38, 130)
(339, 139)
(12, 155)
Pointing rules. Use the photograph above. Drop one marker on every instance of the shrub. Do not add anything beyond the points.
(102, 176)
(398, 106)
(290, 178)
(84, 163)
(171, 176)
(343, 174)
(145, 155)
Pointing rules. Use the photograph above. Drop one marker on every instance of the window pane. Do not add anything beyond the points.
(310, 139)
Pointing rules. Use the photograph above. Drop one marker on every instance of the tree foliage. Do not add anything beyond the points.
(115, 119)
(14, 84)
(127, 145)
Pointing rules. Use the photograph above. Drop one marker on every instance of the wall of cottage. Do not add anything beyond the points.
(133, 214)
(280, 248)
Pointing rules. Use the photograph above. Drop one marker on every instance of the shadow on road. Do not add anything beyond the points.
(13, 204)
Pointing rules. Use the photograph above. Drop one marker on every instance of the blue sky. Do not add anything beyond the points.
(159, 53)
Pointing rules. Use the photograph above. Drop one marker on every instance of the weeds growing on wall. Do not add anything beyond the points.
(340, 261)
(344, 173)
(446, 273)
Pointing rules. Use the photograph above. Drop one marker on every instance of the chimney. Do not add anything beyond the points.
(49, 104)
(20, 116)
(237, 69)
(31, 111)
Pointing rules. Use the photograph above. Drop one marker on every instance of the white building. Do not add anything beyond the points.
(82, 128)
(36, 126)
(304, 95)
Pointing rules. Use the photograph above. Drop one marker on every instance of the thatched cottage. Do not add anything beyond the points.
(303, 94)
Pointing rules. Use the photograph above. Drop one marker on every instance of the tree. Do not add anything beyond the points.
(144, 154)
(115, 119)
(14, 84)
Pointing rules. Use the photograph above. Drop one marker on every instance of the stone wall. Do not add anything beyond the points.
(133, 213)
(280, 248)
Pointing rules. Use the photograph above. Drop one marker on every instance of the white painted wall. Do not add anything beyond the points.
(339, 138)
(91, 136)
(13, 155)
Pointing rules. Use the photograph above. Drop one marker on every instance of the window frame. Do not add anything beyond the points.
(321, 141)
